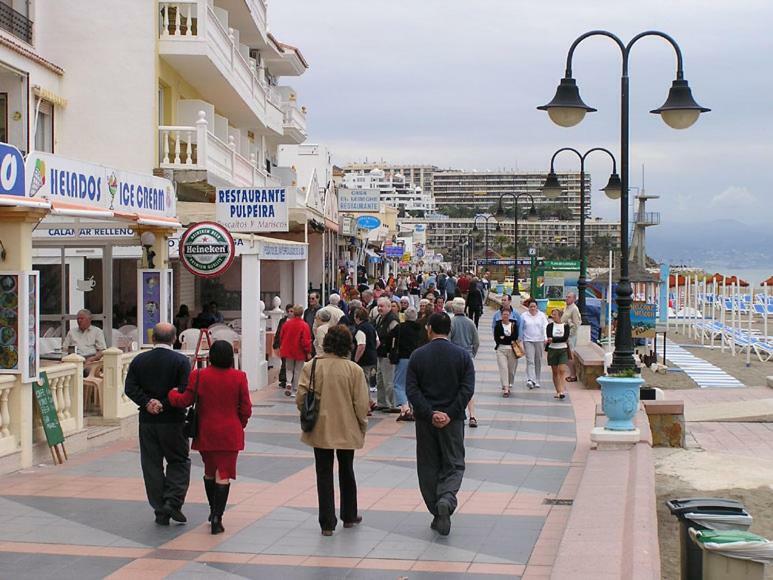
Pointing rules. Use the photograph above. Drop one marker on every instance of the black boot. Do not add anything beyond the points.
(209, 487)
(221, 499)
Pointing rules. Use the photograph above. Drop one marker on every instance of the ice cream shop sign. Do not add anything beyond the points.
(91, 186)
(207, 249)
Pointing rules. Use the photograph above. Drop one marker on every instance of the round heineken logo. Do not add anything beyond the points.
(207, 249)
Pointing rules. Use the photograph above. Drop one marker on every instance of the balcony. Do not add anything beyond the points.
(197, 148)
(648, 218)
(16, 23)
(195, 39)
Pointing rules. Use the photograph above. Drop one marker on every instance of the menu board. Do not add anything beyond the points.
(9, 322)
(19, 324)
(48, 417)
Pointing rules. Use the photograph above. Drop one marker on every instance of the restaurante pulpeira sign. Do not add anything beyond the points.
(207, 249)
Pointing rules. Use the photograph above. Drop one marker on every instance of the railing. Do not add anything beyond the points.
(198, 148)
(258, 9)
(8, 441)
(294, 118)
(648, 218)
(115, 404)
(65, 381)
(16, 23)
(194, 20)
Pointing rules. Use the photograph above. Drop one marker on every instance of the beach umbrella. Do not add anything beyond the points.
(716, 278)
(736, 280)
(676, 280)
(768, 282)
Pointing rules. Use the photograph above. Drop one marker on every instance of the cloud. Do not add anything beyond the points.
(733, 197)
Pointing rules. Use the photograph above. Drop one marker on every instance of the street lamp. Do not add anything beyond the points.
(552, 188)
(679, 112)
(486, 219)
(530, 215)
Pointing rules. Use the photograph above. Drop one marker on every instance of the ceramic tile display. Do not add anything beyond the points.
(19, 324)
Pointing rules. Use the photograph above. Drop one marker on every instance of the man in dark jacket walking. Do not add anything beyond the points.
(151, 376)
(439, 400)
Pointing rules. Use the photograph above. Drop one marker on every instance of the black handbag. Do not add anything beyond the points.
(191, 426)
(310, 407)
(394, 353)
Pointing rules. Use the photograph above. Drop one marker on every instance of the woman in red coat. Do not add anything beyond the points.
(295, 346)
(224, 406)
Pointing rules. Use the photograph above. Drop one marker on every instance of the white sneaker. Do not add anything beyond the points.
(530, 384)
(537, 386)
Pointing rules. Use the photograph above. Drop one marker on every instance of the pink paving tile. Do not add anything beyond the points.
(383, 564)
(501, 569)
(440, 567)
(330, 562)
(225, 557)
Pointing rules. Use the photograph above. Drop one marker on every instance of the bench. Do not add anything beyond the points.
(589, 364)
(666, 422)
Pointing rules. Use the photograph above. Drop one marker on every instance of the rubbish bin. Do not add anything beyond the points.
(704, 513)
(733, 554)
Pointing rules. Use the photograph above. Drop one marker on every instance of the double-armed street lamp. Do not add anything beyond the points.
(486, 219)
(679, 111)
(530, 215)
(552, 189)
(466, 241)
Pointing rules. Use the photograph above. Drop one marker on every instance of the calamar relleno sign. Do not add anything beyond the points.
(207, 249)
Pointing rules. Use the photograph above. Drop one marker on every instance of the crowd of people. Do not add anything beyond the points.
(384, 349)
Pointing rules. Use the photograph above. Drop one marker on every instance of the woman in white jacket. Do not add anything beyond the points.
(533, 335)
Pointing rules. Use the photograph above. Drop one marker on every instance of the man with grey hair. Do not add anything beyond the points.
(333, 308)
(464, 333)
(321, 325)
(87, 339)
(573, 319)
(151, 375)
(386, 322)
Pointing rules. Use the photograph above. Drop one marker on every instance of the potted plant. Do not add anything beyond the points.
(620, 399)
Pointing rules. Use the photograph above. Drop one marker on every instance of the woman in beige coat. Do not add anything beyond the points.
(343, 399)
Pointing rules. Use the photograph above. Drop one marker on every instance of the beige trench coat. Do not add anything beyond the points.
(343, 403)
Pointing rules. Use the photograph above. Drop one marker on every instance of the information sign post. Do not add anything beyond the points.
(50, 420)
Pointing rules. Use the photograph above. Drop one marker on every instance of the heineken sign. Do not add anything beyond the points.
(207, 249)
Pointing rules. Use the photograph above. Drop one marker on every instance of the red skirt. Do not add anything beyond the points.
(222, 462)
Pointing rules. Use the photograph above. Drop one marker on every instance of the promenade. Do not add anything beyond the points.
(90, 518)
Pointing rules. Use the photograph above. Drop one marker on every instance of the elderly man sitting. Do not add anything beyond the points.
(89, 340)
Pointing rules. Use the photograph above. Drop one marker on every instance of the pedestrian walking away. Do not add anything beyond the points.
(406, 338)
(276, 345)
(385, 377)
(342, 396)
(464, 333)
(505, 335)
(439, 400)
(534, 324)
(151, 375)
(475, 301)
(558, 337)
(295, 346)
(223, 406)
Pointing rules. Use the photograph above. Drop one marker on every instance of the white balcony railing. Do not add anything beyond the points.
(258, 10)
(198, 148)
(191, 27)
(294, 120)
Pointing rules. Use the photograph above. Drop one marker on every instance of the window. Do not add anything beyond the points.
(44, 130)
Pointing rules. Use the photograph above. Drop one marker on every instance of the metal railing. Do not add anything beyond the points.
(16, 23)
(648, 218)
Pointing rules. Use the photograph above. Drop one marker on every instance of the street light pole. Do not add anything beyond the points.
(552, 189)
(679, 112)
(530, 216)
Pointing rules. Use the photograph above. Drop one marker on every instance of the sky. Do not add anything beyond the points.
(456, 84)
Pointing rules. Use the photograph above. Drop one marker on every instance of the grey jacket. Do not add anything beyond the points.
(464, 334)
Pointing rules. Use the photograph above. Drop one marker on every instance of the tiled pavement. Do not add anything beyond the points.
(89, 519)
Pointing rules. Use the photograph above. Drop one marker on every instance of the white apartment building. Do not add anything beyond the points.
(395, 190)
(417, 174)
(482, 189)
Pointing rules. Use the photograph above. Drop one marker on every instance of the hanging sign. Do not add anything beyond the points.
(368, 222)
(252, 209)
(394, 251)
(643, 320)
(207, 249)
(11, 171)
(359, 199)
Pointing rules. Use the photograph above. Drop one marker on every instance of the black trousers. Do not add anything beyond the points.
(474, 315)
(283, 374)
(323, 460)
(161, 442)
(440, 462)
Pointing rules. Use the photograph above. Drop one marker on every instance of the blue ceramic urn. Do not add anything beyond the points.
(620, 401)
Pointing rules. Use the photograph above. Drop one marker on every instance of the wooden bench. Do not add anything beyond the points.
(589, 364)
(666, 422)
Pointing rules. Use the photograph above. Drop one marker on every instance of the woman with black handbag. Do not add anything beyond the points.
(508, 350)
(334, 423)
(406, 337)
(222, 406)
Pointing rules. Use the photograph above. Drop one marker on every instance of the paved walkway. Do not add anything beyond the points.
(90, 519)
(702, 372)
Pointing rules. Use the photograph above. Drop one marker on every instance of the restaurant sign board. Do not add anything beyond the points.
(207, 249)
(252, 209)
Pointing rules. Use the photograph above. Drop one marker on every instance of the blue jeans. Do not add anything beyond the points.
(401, 370)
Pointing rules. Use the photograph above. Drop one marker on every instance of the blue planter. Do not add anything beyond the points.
(620, 401)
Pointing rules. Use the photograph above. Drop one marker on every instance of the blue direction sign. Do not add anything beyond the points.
(368, 222)
(11, 170)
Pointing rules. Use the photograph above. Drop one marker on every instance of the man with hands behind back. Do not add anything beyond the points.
(440, 382)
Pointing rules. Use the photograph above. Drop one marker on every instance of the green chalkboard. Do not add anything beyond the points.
(45, 401)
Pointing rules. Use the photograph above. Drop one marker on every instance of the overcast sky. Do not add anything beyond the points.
(455, 83)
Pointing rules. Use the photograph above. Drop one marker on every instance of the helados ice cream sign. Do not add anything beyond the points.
(58, 179)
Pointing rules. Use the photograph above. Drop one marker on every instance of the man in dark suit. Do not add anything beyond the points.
(439, 383)
(151, 376)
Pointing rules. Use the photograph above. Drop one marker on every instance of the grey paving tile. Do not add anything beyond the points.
(121, 464)
(273, 469)
(202, 570)
(37, 566)
(557, 410)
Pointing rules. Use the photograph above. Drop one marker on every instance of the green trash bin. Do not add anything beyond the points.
(733, 554)
(704, 513)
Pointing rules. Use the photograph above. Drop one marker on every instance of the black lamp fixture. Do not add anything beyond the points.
(552, 187)
(614, 188)
(679, 112)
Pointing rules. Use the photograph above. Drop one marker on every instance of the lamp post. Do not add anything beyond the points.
(486, 219)
(530, 215)
(552, 189)
(679, 112)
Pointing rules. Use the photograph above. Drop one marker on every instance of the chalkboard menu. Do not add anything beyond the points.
(48, 416)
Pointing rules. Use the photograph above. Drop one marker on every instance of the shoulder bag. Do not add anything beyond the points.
(517, 350)
(394, 353)
(191, 426)
(310, 407)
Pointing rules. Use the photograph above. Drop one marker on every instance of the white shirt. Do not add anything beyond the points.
(88, 342)
(360, 338)
(507, 328)
(534, 326)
